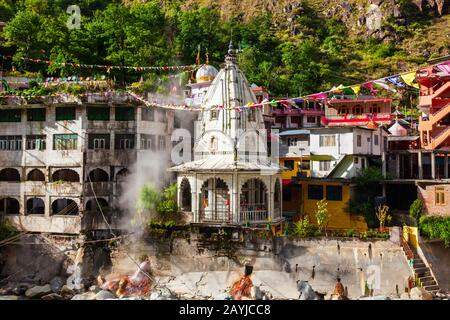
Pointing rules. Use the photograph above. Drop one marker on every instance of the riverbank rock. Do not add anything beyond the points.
(66, 292)
(84, 296)
(420, 294)
(95, 289)
(52, 296)
(103, 295)
(56, 284)
(38, 291)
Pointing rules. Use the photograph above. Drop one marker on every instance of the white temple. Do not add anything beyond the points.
(232, 180)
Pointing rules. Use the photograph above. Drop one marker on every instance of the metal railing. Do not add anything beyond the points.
(253, 213)
(222, 216)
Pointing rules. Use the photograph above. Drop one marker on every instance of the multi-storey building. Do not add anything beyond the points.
(420, 169)
(61, 160)
(346, 111)
(337, 155)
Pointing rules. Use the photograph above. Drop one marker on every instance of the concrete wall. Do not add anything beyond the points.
(208, 272)
(427, 193)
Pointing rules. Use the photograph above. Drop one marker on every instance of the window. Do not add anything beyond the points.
(213, 115)
(324, 165)
(124, 141)
(440, 196)
(305, 165)
(10, 115)
(363, 163)
(98, 113)
(162, 143)
(124, 114)
(147, 142)
(292, 142)
(311, 119)
(65, 113)
(342, 111)
(162, 117)
(327, 141)
(10, 142)
(375, 140)
(148, 114)
(99, 141)
(358, 140)
(334, 193)
(35, 142)
(375, 109)
(315, 192)
(355, 160)
(289, 164)
(65, 142)
(357, 110)
(37, 114)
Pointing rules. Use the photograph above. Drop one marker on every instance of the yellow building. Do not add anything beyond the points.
(295, 167)
(337, 194)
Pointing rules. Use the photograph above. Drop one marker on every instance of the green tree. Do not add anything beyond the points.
(322, 215)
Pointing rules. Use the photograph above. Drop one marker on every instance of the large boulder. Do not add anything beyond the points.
(418, 293)
(56, 284)
(38, 291)
(104, 295)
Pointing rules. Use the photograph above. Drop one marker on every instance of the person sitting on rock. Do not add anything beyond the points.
(241, 289)
(339, 290)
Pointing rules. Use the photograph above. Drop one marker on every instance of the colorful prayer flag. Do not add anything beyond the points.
(409, 79)
(396, 80)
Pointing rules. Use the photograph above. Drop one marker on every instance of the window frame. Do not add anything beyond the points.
(337, 198)
(311, 193)
(439, 196)
(62, 113)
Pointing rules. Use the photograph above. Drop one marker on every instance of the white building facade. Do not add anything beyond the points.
(341, 152)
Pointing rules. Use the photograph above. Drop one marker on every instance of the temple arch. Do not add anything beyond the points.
(253, 201)
(214, 201)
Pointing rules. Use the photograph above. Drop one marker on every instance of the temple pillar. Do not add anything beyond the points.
(446, 166)
(234, 201)
(419, 164)
(433, 165)
(383, 164)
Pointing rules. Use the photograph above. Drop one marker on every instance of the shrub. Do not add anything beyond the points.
(317, 233)
(7, 230)
(322, 215)
(415, 210)
(350, 233)
(302, 228)
(436, 227)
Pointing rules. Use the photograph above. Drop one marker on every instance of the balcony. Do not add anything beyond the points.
(358, 119)
(253, 216)
(294, 111)
(215, 216)
(65, 188)
(52, 224)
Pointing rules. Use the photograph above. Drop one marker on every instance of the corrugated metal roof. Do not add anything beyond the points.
(293, 132)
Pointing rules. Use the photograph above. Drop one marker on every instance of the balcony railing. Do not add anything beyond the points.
(215, 216)
(253, 216)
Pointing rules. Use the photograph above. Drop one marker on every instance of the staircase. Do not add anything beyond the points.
(421, 272)
(441, 137)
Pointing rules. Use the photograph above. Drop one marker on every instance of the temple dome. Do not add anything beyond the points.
(398, 130)
(206, 73)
